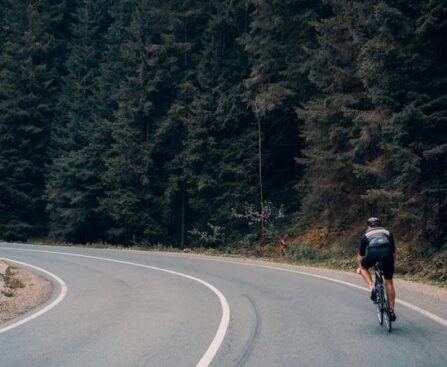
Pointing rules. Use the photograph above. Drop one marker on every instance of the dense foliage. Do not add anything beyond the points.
(221, 123)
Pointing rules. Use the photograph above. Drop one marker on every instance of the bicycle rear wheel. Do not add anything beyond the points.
(387, 311)
(380, 305)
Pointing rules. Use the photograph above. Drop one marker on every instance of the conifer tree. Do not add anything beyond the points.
(184, 26)
(74, 181)
(220, 150)
(113, 68)
(329, 128)
(27, 81)
(280, 32)
(370, 127)
(130, 174)
(407, 52)
(432, 30)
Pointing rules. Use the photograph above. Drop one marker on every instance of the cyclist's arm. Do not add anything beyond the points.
(362, 250)
(363, 246)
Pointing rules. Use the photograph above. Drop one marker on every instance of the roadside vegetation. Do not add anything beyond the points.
(427, 267)
(11, 283)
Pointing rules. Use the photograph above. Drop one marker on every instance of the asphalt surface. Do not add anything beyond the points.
(118, 314)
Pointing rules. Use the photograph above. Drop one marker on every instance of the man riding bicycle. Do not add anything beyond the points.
(377, 243)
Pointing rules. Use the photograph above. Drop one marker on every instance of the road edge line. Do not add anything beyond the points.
(225, 319)
(59, 299)
(428, 314)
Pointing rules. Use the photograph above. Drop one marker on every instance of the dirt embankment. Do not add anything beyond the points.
(20, 291)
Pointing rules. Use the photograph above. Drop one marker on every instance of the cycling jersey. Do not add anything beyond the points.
(376, 237)
(377, 243)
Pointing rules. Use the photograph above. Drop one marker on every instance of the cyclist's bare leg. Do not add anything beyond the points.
(367, 277)
(391, 292)
(364, 272)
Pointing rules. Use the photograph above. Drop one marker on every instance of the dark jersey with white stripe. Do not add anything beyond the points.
(376, 237)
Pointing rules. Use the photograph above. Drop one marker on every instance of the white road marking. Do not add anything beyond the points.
(426, 313)
(224, 322)
(420, 310)
(415, 308)
(212, 350)
(47, 308)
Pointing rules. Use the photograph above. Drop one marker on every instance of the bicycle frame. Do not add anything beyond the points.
(382, 301)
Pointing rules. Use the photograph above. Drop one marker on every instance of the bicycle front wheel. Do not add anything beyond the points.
(387, 311)
(380, 305)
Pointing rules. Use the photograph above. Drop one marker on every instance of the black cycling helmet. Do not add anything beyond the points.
(374, 222)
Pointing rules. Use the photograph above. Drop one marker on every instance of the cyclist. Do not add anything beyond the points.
(377, 243)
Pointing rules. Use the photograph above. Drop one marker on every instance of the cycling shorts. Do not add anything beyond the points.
(380, 253)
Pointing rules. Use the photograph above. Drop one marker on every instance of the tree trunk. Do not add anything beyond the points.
(183, 216)
(261, 194)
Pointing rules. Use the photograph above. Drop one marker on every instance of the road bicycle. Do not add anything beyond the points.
(382, 298)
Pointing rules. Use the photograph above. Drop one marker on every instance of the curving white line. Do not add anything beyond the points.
(47, 308)
(415, 308)
(224, 322)
(420, 310)
(426, 313)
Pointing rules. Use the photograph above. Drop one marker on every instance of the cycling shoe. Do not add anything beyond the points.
(374, 295)
(393, 316)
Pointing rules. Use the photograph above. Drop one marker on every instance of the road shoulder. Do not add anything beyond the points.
(24, 290)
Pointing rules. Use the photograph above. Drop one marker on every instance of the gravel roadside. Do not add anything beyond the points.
(27, 291)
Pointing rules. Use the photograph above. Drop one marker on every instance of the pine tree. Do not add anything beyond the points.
(74, 182)
(375, 127)
(280, 33)
(220, 151)
(332, 192)
(408, 53)
(184, 27)
(113, 68)
(131, 174)
(27, 81)
(431, 30)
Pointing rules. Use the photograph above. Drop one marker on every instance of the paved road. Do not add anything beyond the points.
(118, 314)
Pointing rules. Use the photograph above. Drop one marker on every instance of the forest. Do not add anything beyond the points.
(223, 123)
